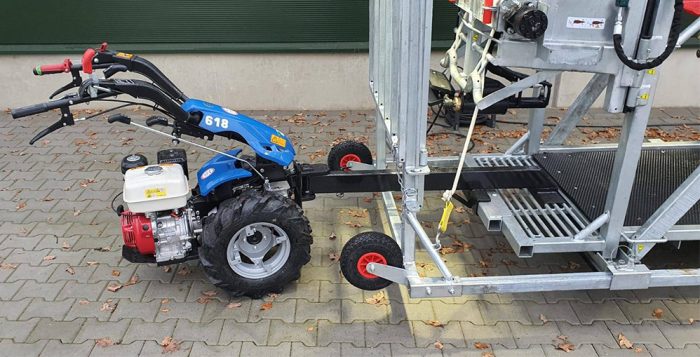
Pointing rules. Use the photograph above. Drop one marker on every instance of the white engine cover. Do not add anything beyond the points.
(155, 188)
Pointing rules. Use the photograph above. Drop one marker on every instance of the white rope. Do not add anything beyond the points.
(479, 70)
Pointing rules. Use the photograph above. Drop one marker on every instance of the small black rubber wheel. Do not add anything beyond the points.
(347, 151)
(255, 244)
(365, 248)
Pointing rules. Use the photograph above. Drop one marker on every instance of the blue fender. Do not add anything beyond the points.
(220, 169)
(267, 142)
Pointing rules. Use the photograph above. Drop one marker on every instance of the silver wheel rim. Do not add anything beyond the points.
(258, 250)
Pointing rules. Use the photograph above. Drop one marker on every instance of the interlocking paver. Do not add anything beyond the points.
(319, 315)
(606, 310)
(118, 350)
(126, 309)
(48, 329)
(208, 332)
(12, 309)
(47, 291)
(595, 333)
(56, 310)
(256, 332)
(8, 348)
(498, 334)
(447, 333)
(140, 330)
(347, 349)
(94, 330)
(59, 348)
(527, 335)
(154, 349)
(680, 335)
(645, 333)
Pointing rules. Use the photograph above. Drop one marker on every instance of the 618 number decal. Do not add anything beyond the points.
(217, 122)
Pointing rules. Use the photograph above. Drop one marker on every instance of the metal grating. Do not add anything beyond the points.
(537, 221)
(503, 161)
(660, 172)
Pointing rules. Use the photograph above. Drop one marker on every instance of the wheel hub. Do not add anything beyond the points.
(345, 160)
(258, 250)
(367, 258)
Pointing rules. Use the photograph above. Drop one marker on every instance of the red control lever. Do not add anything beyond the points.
(53, 68)
(87, 60)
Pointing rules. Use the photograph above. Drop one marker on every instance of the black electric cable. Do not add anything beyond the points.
(673, 34)
(112, 204)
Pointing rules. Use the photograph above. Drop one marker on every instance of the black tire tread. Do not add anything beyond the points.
(348, 147)
(239, 211)
(364, 243)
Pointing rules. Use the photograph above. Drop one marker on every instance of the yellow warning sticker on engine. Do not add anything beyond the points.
(155, 192)
(278, 141)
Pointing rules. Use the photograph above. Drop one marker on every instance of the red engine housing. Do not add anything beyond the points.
(692, 7)
(137, 232)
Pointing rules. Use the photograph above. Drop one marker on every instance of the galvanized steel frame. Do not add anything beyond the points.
(400, 33)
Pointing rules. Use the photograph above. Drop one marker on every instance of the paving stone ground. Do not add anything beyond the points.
(55, 202)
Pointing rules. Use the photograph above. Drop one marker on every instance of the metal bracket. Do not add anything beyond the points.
(388, 272)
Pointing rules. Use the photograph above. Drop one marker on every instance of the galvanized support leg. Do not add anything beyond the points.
(535, 125)
(578, 108)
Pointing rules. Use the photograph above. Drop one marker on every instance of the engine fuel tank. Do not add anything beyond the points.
(155, 188)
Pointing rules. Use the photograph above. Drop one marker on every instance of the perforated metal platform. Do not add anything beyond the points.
(584, 177)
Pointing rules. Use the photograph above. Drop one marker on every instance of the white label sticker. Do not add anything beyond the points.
(207, 173)
(586, 23)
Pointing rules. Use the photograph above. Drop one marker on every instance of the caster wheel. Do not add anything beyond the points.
(348, 151)
(365, 248)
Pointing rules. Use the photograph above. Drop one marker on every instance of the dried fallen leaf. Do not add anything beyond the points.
(70, 270)
(333, 256)
(21, 205)
(133, 280)
(266, 306)
(691, 321)
(310, 329)
(332, 236)
(543, 318)
(623, 341)
(104, 342)
(167, 269)
(116, 272)
(65, 246)
(114, 287)
(438, 345)
(487, 354)
(481, 345)
(377, 299)
(107, 307)
(353, 224)
(209, 293)
(184, 270)
(234, 305)
(170, 345)
(658, 313)
(566, 346)
(7, 266)
(49, 257)
(165, 310)
(638, 350)
(91, 263)
(83, 302)
(435, 323)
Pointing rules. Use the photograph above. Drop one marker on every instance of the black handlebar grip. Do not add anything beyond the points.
(119, 118)
(30, 110)
(155, 120)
